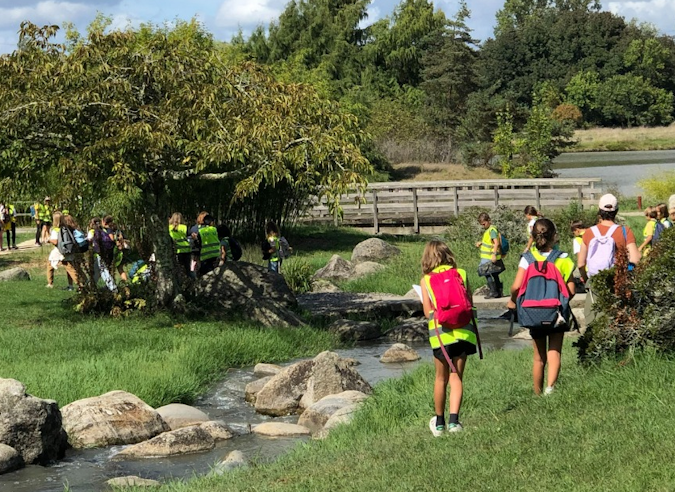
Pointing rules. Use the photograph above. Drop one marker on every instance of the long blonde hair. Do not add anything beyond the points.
(56, 219)
(437, 253)
(175, 220)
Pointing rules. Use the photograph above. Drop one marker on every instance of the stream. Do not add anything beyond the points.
(88, 470)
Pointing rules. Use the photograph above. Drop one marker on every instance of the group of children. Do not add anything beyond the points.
(540, 294)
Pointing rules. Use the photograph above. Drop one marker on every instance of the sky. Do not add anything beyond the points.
(225, 17)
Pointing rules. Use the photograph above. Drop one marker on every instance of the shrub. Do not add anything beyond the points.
(563, 218)
(635, 310)
(567, 112)
(510, 223)
(298, 274)
(659, 187)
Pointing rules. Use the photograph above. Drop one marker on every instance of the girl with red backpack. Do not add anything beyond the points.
(451, 334)
(548, 338)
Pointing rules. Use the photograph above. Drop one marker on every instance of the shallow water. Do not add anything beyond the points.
(618, 170)
(88, 470)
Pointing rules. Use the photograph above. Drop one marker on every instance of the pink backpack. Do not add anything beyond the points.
(453, 305)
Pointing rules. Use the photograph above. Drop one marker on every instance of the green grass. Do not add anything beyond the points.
(65, 356)
(605, 428)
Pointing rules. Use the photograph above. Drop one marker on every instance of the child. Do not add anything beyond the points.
(459, 343)
(272, 234)
(578, 229)
(648, 231)
(544, 236)
(224, 234)
(491, 264)
(531, 215)
(662, 215)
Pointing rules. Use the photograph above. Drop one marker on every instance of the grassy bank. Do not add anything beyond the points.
(65, 356)
(616, 139)
(440, 171)
(606, 428)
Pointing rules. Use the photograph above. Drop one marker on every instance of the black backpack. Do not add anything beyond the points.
(265, 247)
(235, 248)
(66, 243)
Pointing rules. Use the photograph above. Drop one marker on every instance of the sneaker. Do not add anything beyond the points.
(455, 427)
(50, 286)
(548, 390)
(70, 288)
(15, 247)
(436, 430)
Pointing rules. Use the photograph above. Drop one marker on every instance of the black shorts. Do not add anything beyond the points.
(45, 223)
(539, 334)
(460, 348)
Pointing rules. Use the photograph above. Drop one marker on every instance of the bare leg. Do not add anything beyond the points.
(456, 385)
(555, 343)
(538, 364)
(440, 385)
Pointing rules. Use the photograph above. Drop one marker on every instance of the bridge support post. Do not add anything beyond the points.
(416, 217)
(376, 224)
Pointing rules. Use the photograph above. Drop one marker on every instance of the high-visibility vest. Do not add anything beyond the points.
(450, 336)
(11, 210)
(210, 243)
(44, 213)
(274, 241)
(180, 239)
(486, 245)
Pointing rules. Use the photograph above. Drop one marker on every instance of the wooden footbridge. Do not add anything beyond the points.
(415, 204)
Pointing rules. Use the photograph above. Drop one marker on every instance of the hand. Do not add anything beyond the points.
(493, 259)
(478, 243)
(511, 304)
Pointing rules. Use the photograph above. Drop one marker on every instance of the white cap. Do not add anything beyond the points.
(608, 203)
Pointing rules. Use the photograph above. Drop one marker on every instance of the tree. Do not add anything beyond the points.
(149, 116)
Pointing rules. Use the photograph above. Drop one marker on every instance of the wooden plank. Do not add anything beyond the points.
(376, 225)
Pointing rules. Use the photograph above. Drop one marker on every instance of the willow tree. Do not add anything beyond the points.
(134, 113)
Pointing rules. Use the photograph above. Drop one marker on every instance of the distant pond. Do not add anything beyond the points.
(619, 170)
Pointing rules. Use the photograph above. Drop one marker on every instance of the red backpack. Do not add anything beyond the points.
(453, 305)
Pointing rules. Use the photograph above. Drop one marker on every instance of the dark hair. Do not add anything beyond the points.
(530, 210)
(108, 219)
(207, 220)
(607, 214)
(223, 231)
(483, 217)
(577, 224)
(271, 227)
(662, 209)
(543, 233)
(651, 212)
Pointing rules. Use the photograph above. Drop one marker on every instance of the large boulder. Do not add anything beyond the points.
(217, 430)
(355, 331)
(177, 415)
(398, 353)
(30, 425)
(320, 285)
(114, 418)
(367, 268)
(411, 330)
(188, 440)
(373, 249)
(337, 268)
(10, 459)
(280, 429)
(253, 388)
(250, 289)
(342, 416)
(299, 386)
(16, 273)
(316, 416)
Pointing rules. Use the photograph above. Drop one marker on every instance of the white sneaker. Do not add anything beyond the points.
(50, 286)
(436, 430)
(455, 427)
(548, 390)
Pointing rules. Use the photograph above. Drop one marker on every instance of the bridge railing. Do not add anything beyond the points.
(420, 203)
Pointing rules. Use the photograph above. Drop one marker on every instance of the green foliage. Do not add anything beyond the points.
(636, 310)
(659, 187)
(647, 58)
(298, 274)
(629, 100)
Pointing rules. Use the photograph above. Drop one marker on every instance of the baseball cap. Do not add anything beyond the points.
(608, 203)
(47, 199)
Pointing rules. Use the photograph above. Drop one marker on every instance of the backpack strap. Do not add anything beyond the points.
(596, 232)
(611, 230)
(529, 257)
(554, 255)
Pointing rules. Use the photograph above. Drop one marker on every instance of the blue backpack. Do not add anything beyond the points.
(81, 240)
(658, 230)
(503, 244)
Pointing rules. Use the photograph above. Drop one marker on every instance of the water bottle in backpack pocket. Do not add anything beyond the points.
(543, 298)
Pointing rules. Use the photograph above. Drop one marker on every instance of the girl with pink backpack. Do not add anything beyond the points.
(447, 302)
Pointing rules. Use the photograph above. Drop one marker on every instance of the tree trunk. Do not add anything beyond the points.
(167, 284)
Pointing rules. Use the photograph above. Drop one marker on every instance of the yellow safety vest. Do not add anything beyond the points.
(210, 243)
(274, 241)
(450, 336)
(11, 212)
(180, 239)
(44, 213)
(486, 244)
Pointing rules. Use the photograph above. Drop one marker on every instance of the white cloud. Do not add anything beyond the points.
(47, 12)
(658, 12)
(246, 13)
